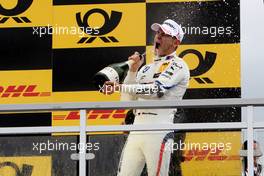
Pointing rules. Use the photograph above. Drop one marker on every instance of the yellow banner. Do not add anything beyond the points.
(26, 166)
(212, 153)
(35, 86)
(104, 25)
(94, 117)
(211, 65)
(25, 13)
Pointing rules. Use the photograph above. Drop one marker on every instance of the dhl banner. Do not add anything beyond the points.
(25, 86)
(94, 117)
(25, 166)
(25, 13)
(83, 26)
(19, 87)
(214, 153)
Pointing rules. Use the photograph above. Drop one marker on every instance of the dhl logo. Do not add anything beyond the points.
(210, 155)
(21, 90)
(93, 114)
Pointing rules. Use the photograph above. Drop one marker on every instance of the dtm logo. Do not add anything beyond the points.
(26, 170)
(22, 6)
(21, 90)
(109, 25)
(205, 64)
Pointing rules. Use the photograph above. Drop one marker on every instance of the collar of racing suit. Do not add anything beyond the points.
(163, 58)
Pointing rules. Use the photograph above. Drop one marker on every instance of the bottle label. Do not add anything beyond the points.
(111, 74)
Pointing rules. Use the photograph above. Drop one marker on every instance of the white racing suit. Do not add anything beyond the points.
(165, 79)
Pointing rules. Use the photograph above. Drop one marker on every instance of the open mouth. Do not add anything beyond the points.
(157, 45)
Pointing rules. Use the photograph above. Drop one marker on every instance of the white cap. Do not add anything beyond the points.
(169, 27)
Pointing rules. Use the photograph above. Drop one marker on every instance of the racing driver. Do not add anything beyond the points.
(167, 78)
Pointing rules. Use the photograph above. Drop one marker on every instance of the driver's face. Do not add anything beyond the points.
(164, 43)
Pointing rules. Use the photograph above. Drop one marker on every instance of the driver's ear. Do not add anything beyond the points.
(176, 43)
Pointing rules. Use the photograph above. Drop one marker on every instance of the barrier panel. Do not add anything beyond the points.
(83, 129)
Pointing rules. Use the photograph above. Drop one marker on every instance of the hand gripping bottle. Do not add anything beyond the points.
(115, 73)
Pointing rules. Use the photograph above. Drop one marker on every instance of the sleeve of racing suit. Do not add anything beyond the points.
(129, 79)
(168, 79)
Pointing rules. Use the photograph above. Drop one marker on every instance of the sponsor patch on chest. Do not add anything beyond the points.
(163, 67)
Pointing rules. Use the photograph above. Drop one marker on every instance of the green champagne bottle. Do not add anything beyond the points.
(115, 73)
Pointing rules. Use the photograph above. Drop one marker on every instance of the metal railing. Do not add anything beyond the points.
(249, 125)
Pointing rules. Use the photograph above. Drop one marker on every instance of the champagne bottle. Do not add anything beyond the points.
(115, 73)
